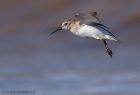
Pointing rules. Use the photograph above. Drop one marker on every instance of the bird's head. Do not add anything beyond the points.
(66, 25)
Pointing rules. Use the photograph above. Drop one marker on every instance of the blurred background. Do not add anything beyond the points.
(64, 64)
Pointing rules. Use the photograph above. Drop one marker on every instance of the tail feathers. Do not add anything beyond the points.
(112, 38)
(118, 41)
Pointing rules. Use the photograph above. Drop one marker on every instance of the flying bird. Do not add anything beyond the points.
(88, 25)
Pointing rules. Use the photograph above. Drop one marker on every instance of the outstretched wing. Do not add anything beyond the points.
(87, 18)
(92, 20)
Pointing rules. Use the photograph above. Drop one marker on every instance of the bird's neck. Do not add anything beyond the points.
(75, 26)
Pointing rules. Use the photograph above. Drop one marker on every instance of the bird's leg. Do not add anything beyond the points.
(109, 51)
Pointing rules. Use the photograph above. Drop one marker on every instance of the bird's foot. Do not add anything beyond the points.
(109, 51)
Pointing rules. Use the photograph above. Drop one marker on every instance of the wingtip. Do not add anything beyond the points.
(94, 13)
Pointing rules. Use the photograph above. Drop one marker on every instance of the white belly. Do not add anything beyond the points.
(89, 31)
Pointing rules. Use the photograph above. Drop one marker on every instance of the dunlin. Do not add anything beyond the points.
(88, 25)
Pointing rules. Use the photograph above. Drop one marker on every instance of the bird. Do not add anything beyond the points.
(88, 25)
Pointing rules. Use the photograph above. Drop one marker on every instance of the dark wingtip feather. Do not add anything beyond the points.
(93, 13)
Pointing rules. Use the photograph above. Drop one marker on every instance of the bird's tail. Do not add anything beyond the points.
(113, 38)
(117, 40)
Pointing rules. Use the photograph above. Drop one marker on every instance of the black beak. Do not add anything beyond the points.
(58, 29)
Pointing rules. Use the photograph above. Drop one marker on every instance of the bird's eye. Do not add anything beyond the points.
(66, 24)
